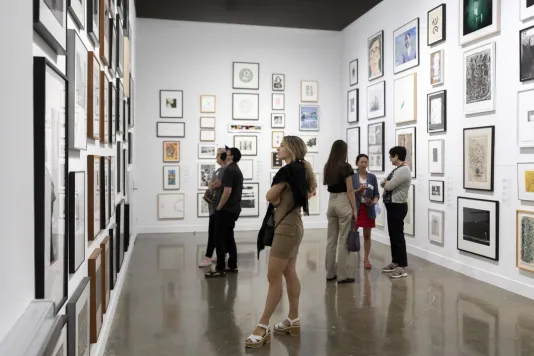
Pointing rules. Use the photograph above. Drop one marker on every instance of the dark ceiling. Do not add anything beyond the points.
(332, 15)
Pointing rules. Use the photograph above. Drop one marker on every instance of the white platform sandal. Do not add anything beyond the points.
(291, 329)
(254, 341)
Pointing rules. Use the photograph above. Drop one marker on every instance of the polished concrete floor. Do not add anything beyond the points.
(168, 308)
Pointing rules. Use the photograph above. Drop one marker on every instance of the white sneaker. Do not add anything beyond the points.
(206, 262)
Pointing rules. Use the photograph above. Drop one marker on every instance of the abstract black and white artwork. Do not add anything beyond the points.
(437, 112)
(205, 174)
(526, 56)
(203, 210)
(479, 19)
(171, 104)
(93, 21)
(437, 25)
(479, 79)
(246, 75)
(479, 146)
(171, 206)
(250, 203)
(77, 74)
(311, 142)
(375, 149)
(279, 82)
(78, 320)
(376, 100)
(437, 67)
(353, 105)
(353, 72)
(76, 216)
(436, 191)
(436, 156)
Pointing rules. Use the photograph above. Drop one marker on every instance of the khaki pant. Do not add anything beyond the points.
(339, 216)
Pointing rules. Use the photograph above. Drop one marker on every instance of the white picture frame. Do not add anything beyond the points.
(171, 104)
(309, 91)
(309, 117)
(476, 100)
(469, 34)
(437, 68)
(436, 225)
(208, 104)
(205, 172)
(207, 122)
(207, 151)
(278, 120)
(311, 160)
(409, 220)
(405, 99)
(276, 138)
(526, 12)
(436, 191)
(77, 72)
(171, 177)
(170, 129)
(311, 142)
(525, 181)
(436, 156)
(171, 206)
(406, 58)
(248, 145)
(203, 210)
(278, 101)
(246, 75)
(376, 100)
(245, 106)
(247, 168)
(278, 82)
(353, 144)
(353, 105)
(207, 135)
(525, 118)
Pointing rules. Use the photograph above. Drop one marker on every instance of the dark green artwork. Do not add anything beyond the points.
(478, 14)
(527, 240)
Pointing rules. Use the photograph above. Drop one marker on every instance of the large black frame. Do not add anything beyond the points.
(492, 183)
(104, 192)
(112, 46)
(126, 226)
(49, 28)
(382, 123)
(444, 25)
(443, 94)
(113, 233)
(522, 76)
(73, 246)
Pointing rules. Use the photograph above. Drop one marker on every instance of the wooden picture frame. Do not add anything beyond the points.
(171, 151)
(106, 262)
(94, 190)
(94, 266)
(208, 104)
(104, 32)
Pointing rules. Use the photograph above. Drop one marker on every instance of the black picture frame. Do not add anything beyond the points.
(442, 185)
(112, 45)
(124, 170)
(111, 190)
(77, 305)
(382, 146)
(126, 111)
(77, 237)
(112, 115)
(120, 10)
(93, 25)
(443, 25)
(119, 242)
(51, 28)
(119, 65)
(76, 10)
(104, 192)
(283, 86)
(247, 136)
(181, 111)
(276, 163)
(131, 122)
(119, 173)
(113, 233)
(529, 62)
(119, 120)
(233, 76)
(105, 30)
(492, 174)
(350, 74)
(380, 37)
(437, 128)
(126, 227)
(357, 106)
(130, 151)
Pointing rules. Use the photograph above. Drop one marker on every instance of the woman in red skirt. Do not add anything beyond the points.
(367, 194)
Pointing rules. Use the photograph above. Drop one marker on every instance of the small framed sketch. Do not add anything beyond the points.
(375, 55)
(309, 91)
(436, 191)
(353, 72)
(246, 75)
(208, 104)
(436, 225)
(437, 68)
(478, 227)
(353, 143)
(171, 151)
(278, 101)
(376, 100)
(479, 19)
(527, 9)
(171, 177)
(205, 173)
(250, 200)
(406, 46)
(437, 112)
(406, 138)
(278, 120)
(526, 60)
(437, 25)
(525, 118)
(479, 79)
(276, 138)
(524, 240)
(171, 206)
(436, 156)
(171, 104)
(309, 117)
(353, 105)
(247, 168)
(405, 99)
(78, 320)
(207, 122)
(203, 210)
(479, 145)
(279, 82)
(248, 145)
(170, 129)
(312, 142)
(207, 150)
(207, 135)
(375, 149)
(276, 163)
(525, 181)
(245, 106)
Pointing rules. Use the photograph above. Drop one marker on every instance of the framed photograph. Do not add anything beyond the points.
(479, 19)
(56, 343)
(76, 10)
(436, 191)
(78, 320)
(248, 145)
(76, 217)
(207, 135)
(205, 173)
(50, 22)
(247, 168)
(171, 177)
(120, 110)
(112, 184)
(406, 138)
(526, 58)
(479, 146)
(437, 25)
(478, 227)
(312, 142)
(279, 82)
(437, 112)
(278, 101)
(208, 104)
(119, 67)
(207, 122)
(406, 46)
(245, 106)
(375, 55)
(437, 68)
(276, 138)
(113, 45)
(106, 262)
(94, 264)
(376, 100)
(93, 104)
(171, 151)
(278, 121)
(171, 104)
(353, 105)
(104, 108)
(525, 181)
(171, 206)
(353, 143)
(94, 189)
(276, 163)
(409, 220)
(113, 238)
(131, 102)
(353, 72)
(375, 149)
(309, 117)
(525, 240)
(405, 99)
(104, 33)
(314, 203)
(207, 151)
(252, 128)
(112, 113)
(250, 200)
(93, 22)
(104, 194)
(309, 91)
(436, 156)
(479, 79)
(525, 118)
(119, 251)
(436, 225)
(170, 129)
(527, 10)
(246, 75)
(203, 210)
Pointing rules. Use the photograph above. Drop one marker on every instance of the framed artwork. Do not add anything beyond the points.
(479, 146)
(208, 104)
(120, 110)
(50, 168)
(93, 104)
(104, 108)
(205, 173)
(77, 72)
(406, 46)
(276, 163)
(405, 99)
(171, 104)
(436, 191)
(94, 264)
(525, 181)
(207, 135)
(112, 113)
(278, 101)
(207, 151)
(106, 262)
(119, 67)
(309, 117)
(56, 343)
(78, 320)
(113, 238)
(279, 82)
(170, 129)
(525, 240)
(437, 25)
(250, 203)
(314, 203)
(309, 91)
(76, 10)
(94, 189)
(479, 79)
(207, 122)
(171, 177)
(478, 227)
(479, 19)
(526, 59)
(131, 146)
(119, 238)
(278, 121)
(437, 112)
(248, 145)
(525, 118)
(131, 117)
(119, 166)
(376, 100)
(353, 105)
(112, 191)
(93, 21)
(113, 45)
(203, 210)
(527, 9)
(375, 149)
(247, 168)
(406, 137)
(375, 55)
(104, 32)
(276, 138)
(409, 220)
(436, 225)
(245, 106)
(436, 156)
(256, 128)
(246, 75)
(437, 68)
(171, 206)
(312, 142)
(353, 143)
(353, 72)
(126, 111)
(50, 22)
(76, 216)
(104, 196)
(171, 151)
(380, 219)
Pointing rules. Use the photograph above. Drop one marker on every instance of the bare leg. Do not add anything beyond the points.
(293, 290)
(367, 242)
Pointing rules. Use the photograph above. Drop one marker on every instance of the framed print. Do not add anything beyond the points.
(279, 82)
(437, 112)
(309, 91)
(207, 151)
(376, 100)
(278, 121)
(406, 138)
(104, 108)
(309, 117)
(205, 173)
(478, 227)
(56, 343)
(113, 237)
(171, 151)
(50, 169)
(526, 57)
(436, 225)
(353, 143)
(104, 32)
(525, 181)
(437, 67)
(112, 113)
(276, 163)
(245, 106)
(203, 210)
(479, 145)
(525, 240)
(93, 21)
(479, 19)
(247, 168)
(171, 177)
(250, 200)
(406, 46)
(171, 206)
(409, 220)
(314, 203)
(436, 191)
(248, 145)
(131, 103)
(436, 156)
(375, 149)
(94, 264)
(525, 118)
(405, 99)
(380, 219)
(119, 67)
(353, 72)
(527, 9)
(278, 101)
(207, 122)
(113, 45)
(119, 108)
(255, 128)
(375, 56)
(104, 194)
(276, 138)
(119, 166)
(312, 142)
(170, 129)
(112, 184)
(479, 79)
(171, 104)
(119, 237)
(105, 291)
(353, 105)
(76, 217)
(207, 135)
(77, 72)
(78, 320)
(50, 22)
(437, 25)
(246, 75)
(94, 189)
(131, 146)
(93, 104)
(77, 13)
(208, 104)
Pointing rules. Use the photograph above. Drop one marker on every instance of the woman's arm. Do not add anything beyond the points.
(274, 193)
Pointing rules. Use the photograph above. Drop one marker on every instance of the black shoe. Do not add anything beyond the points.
(348, 280)
(331, 279)
(215, 274)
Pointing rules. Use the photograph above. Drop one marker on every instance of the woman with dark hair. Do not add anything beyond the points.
(337, 175)
(367, 195)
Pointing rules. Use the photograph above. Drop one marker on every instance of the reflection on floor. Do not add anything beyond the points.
(168, 308)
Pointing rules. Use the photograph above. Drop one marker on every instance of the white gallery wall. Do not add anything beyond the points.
(392, 14)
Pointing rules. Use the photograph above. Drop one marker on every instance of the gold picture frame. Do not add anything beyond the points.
(171, 151)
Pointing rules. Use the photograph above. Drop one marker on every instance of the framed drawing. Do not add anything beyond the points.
(353, 143)
(56, 343)
(479, 79)
(119, 67)
(353, 105)
(375, 55)
(276, 138)
(93, 103)
(246, 75)
(106, 262)
(250, 200)
(77, 13)
(208, 104)
(314, 203)
(406, 137)
(479, 146)
(436, 156)
(409, 220)
(405, 99)
(375, 149)
(93, 22)
(437, 25)
(203, 210)
(112, 191)
(312, 142)
(525, 181)
(526, 59)
(248, 145)
(525, 240)
(436, 191)
(309, 91)
(376, 100)
(478, 227)
(527, 9)
(50, 22)
(436, 225)
(279, 82)
(309, 117)
(171, 151)
(525, 118)
(207, 135)
(171, 206)
(353, 72)
(437, 68)
(437, 112)
(406, 46)
(170, 129)
(50, 168)
(207, 123)
(104, 193)
(119, 167)
(256, 128)
(278, 121)
(278, 101)
(171, 104)
(78, 320)
(76, 216)
(94, 264)
(104, 108)
(205, 173)
(119, 108)
(245, 106)
(94, 189)
(247, 168)
(207, 151)
(171, 177)
(104, 32)
(131, 148)
(112, 113)
(479, 19)
(276, 163)
(131, 122)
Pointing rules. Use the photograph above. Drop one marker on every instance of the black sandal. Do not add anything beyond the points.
(347, 280)
(215, 274)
